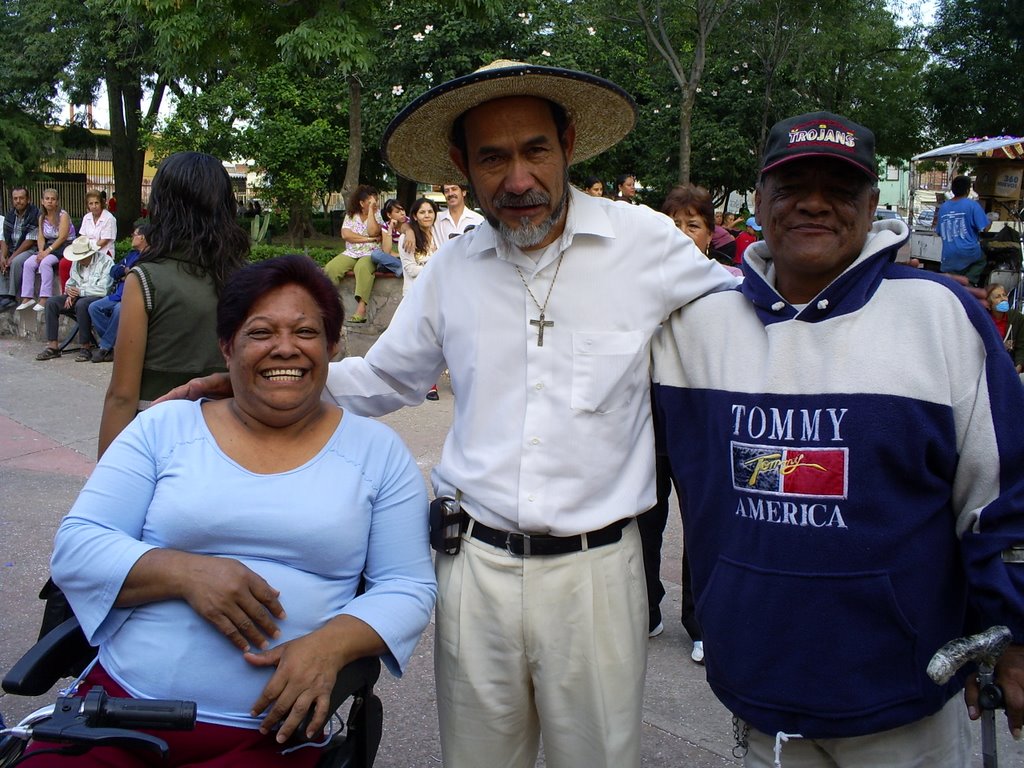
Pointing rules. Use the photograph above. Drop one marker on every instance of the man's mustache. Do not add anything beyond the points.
(525, 200)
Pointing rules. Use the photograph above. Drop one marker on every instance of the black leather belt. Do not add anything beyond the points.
(528, 544)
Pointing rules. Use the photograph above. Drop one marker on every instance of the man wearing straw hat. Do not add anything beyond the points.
(542, 614)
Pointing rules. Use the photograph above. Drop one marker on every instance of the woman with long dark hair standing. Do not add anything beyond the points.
(167, 331)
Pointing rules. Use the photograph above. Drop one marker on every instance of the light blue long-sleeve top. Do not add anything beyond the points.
(358, 507)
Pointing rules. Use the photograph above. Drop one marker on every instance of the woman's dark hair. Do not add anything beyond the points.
(360, 193)
(249, 284)
(192, 218)
(591, 181)
(389, 205)
(421, 237)
(691, 198)
(621, 179)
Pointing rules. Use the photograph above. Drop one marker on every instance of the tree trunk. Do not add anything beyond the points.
(297, 222)
(355, 138)
(406, 192)
(685, 151)
(124, 96)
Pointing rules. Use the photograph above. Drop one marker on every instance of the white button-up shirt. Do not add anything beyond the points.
(545, 439)
(445, 226)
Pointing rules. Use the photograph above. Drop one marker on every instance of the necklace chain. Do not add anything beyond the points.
(540, 323)
(544, 306)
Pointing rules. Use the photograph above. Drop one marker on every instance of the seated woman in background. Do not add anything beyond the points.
(166, 331)
(421, 228)
(54, 233)
(361, 232)
(99, 224)
(1009, 322)
(88, 282)
(387, 256)
(216, 552)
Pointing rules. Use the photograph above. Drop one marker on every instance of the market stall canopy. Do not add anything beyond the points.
(1001, 148)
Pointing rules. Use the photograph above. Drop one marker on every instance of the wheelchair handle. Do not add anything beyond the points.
(102, 711)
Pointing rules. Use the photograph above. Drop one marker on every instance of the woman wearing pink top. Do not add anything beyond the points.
(55, 231)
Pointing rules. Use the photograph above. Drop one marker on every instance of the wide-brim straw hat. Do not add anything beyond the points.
(416, 142)
(80, 248)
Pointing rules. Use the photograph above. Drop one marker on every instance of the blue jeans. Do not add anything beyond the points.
(387, 261)
(105, 314)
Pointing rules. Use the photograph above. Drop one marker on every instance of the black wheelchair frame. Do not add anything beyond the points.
(65, 652)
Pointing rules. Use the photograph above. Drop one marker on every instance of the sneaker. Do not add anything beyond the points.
(6, 303)
(432, 394)
(26, 304)
(101, 355)
(39, 308)
(654, 625)
(697, 654)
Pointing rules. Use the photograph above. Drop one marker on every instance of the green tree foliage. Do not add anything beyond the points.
(976, 82)
(31, 63)
(296, 136)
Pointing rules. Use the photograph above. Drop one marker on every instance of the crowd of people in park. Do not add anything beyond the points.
(841, 430)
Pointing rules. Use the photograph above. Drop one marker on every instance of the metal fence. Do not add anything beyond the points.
(82, 171)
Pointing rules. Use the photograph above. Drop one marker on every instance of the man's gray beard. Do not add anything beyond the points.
(528, 235)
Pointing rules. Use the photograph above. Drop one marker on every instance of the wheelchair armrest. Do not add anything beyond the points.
(63, 650)
(355, 678)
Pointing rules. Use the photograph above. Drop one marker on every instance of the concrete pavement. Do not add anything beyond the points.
(49, 417)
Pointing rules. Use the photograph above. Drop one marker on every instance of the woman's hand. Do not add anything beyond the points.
(307, 669)
(237, 601)
(233, 598)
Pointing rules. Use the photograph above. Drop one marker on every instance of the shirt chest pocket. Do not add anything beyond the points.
(608, 370)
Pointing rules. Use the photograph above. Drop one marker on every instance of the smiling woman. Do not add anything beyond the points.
(216, 553)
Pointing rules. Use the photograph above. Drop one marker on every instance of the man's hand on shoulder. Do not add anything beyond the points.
(215, 386)
(409, 244)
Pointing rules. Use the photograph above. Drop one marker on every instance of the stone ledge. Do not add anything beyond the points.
(356, 338)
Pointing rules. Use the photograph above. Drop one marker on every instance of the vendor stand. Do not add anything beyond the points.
(998, 166)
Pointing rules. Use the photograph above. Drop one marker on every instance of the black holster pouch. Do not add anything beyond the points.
(447, 522)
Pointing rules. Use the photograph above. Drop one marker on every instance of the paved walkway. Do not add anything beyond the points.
(49, 417)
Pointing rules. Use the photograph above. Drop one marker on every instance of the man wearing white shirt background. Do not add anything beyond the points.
(454, 220)
(457, 217)
(541, 618)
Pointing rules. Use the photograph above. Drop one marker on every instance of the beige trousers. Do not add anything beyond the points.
(553, 645)
(940, 741)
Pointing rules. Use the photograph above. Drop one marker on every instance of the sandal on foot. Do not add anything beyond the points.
(84, 356)
(357, 319)
(48, 354)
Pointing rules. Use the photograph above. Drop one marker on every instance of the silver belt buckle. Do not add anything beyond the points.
(526, 544)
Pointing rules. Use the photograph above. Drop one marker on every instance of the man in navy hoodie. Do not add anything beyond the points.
(850, 457)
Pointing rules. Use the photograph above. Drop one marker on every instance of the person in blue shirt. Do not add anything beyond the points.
(960, 222)
(216, 552)
(106, 312)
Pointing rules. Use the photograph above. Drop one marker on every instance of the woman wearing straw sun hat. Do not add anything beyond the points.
(89, 281)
